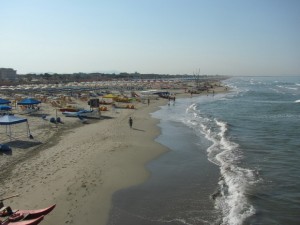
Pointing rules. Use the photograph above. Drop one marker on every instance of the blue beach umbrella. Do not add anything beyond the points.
(29, 101)
(4, 101)
(5, 107)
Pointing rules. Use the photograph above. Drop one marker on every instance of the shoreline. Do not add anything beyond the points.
(181, 183)
(80, 168)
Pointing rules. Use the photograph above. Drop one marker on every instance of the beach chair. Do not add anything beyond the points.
(83, 120)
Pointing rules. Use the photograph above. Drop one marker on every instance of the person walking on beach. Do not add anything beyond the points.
(130, 122)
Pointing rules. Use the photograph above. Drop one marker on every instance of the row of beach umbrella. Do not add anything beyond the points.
(26, 101)
(5, 107)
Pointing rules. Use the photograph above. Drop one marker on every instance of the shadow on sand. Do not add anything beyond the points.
(38, 114)
(138, 129)
(106, 117)
(22, 144)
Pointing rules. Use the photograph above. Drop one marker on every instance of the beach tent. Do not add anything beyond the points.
(8, 120)
(4, 101)
(29, 101)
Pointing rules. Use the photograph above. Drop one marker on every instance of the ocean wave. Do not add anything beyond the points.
(287, 87)
(231, 198)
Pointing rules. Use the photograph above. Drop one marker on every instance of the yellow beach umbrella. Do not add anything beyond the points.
(110, 96)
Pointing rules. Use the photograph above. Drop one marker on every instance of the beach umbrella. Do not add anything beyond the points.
(29, 101)
(5, 107)
(109, 96)
(4, 101)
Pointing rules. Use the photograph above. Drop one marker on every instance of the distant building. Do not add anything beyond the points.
(8, 74)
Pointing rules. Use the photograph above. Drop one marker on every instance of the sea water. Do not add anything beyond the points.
(255, 135)
(250, 138)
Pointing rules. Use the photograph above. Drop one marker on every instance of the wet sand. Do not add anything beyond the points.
(179, 189)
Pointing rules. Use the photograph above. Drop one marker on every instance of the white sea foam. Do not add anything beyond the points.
(292, 88)
(232, 200)
(287, 87)
(235, 180)
(297, 101)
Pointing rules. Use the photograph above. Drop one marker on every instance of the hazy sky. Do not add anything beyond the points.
(234, 37)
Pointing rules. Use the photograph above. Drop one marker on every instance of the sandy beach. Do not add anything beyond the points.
(79, 166)
(85, 166)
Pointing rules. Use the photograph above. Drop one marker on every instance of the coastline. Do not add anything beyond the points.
(80, 169)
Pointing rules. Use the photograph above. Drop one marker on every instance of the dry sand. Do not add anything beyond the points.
(80, 168)
(85, 166)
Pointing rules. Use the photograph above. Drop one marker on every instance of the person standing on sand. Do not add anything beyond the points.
(130, 122)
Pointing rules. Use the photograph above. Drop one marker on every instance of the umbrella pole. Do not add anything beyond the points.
(29, 134)
(10, 132)
(6, 129)
(56, 117)
(28, 130)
